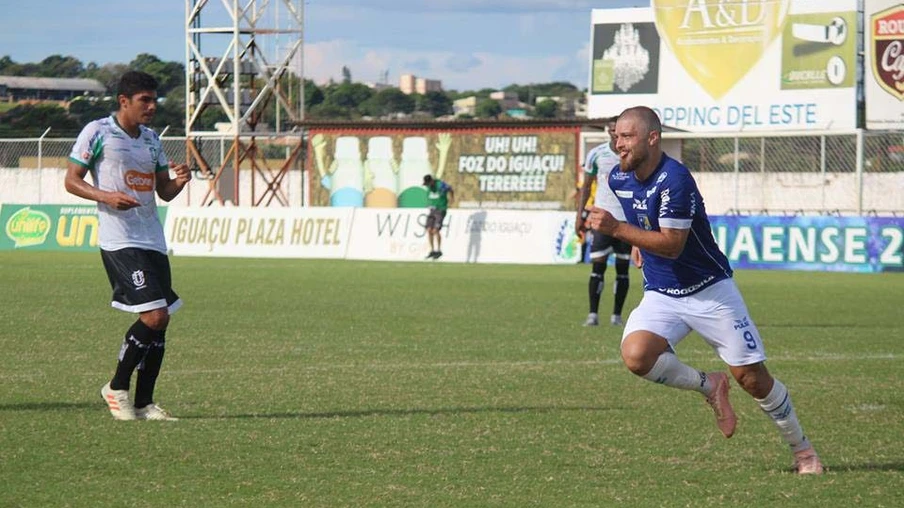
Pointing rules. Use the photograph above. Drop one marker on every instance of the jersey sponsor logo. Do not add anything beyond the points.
(138, 181)
(624, 194)
(661, 178)
(665, 199)
(740, 324)
(652, 191)
(138, 279)
(690, 289)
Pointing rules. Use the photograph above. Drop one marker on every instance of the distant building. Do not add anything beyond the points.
(409, 84)
(567, 107)
(19, 88)
(465, 106)
(378, 87)
(508, 100)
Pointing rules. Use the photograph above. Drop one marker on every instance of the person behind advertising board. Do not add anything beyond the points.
(127, 163)
(688, 285)
(439, 193)
(599, 161)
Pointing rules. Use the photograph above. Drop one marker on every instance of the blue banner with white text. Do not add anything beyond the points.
(838, 244)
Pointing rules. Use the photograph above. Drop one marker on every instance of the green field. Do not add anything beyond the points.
(329, 383)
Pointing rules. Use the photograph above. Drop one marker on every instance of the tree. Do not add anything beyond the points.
(86, 109)
(169, 75)
(346, 75)
(546, 109)
(313, 95)
(488, 108)
(32, 119)
(57, 66)
(327, 111)
(108, 75)
(386, 102)
(347, 95)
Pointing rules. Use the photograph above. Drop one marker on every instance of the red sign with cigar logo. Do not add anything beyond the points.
(887, 41)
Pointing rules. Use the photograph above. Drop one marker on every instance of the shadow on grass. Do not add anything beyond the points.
(49, 406)
(866, 466)
(402, 412)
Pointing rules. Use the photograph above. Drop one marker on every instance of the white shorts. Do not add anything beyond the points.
(717, 313)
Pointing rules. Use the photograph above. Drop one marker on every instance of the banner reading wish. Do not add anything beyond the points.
(729, 65)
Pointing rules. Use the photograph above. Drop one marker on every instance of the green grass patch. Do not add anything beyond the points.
(331, 383)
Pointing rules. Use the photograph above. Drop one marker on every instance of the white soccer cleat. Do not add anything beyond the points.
(616, 320)
(118, 403)
(592, 320)
(154, 412)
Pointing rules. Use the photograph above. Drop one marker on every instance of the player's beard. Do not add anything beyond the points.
(633, 161)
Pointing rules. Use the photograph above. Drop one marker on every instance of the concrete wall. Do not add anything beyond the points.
(777, 192)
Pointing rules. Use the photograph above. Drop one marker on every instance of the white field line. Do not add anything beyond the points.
(527, 365)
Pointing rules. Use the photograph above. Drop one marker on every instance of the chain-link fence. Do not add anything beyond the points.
(814, 173)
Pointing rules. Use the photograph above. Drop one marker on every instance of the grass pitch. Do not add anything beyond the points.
(328, 383)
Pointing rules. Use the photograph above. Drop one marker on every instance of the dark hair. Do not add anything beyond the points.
(647, 116)
(133, 82)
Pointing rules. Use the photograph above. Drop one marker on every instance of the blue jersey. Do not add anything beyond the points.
(669, 198)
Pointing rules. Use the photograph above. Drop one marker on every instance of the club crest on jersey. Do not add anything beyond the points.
(644, 222)
(154, 152)
(138, 279)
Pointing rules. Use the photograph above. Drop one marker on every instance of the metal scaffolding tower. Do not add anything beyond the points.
(243, 69)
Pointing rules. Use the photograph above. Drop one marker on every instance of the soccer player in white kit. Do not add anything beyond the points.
(598, 163)
(128, 166)
(688, 286)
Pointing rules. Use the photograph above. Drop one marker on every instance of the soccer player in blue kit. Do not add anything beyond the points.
(688, 286)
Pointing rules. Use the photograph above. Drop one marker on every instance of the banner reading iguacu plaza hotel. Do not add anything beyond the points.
(729, 65)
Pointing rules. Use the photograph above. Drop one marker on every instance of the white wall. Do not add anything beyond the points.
(777, 192)
(46, 186)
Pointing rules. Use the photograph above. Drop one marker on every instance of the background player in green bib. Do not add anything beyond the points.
(129, 167)
(439, 193)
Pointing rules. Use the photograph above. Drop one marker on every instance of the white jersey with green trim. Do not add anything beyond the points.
(121, 163)
(599, 163)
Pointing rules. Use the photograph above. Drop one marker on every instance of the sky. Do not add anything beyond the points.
(467, 44)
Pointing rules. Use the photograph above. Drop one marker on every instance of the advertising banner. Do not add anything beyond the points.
(487, 168)
(716, 66)
(259, 232)
(839, 244)
(884, 61)
(468, 236)
(51, 227)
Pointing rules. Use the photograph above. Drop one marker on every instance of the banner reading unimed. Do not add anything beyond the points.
(487, 168)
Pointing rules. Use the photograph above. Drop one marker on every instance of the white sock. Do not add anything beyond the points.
(669, 371)
(778, 406)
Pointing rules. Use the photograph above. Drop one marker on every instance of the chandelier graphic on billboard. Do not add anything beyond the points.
(625, 58)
